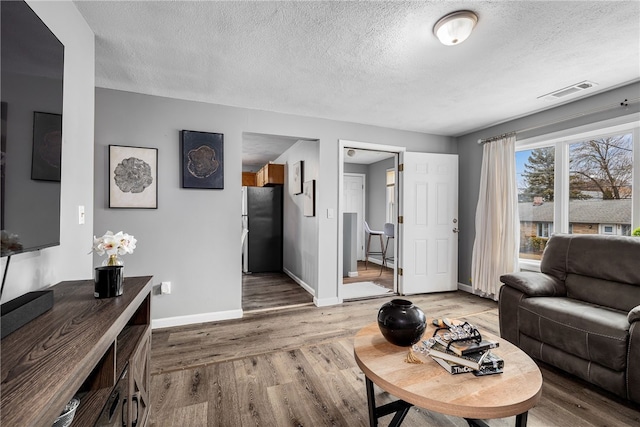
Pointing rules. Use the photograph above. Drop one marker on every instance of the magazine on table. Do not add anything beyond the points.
(474, 360)
(488, 368)
(469, 346)
(452, 368)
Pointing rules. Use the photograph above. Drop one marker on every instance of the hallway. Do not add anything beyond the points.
(270, 291)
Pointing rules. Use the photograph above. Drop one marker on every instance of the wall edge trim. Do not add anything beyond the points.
(190, 319)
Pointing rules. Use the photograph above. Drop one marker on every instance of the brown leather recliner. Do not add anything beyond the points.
(581, 313)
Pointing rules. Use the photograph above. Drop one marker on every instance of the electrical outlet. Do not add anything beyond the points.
(165, 288)
(80, 214)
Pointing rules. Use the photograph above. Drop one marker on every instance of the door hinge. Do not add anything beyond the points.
(401, 219)
(400, 271)
(401, 167)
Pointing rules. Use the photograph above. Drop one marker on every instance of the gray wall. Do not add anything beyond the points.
(350, 243)
(300, 233)
(69, 260)
(377, 199)
(470, 154)
(355, 168)
(193, 238)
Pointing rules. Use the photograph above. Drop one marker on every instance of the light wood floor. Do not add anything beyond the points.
(372, 274)
(268, 291)
(295, 367)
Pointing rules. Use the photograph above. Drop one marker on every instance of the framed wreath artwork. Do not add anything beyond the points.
(202, 160)
(133, 177)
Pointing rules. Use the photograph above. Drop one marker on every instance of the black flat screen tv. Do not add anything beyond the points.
(32, 71)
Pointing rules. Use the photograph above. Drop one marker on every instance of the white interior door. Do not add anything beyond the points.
(429, 207)
(354, 202)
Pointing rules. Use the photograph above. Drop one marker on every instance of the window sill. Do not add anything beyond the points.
(529, 265)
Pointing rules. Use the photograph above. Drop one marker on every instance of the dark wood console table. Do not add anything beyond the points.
(82, 346)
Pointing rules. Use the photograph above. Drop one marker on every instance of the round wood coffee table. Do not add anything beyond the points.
(429, 386)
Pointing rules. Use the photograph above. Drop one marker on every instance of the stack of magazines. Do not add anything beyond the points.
(461, 348)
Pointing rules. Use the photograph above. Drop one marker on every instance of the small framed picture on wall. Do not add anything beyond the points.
(46, 157)
(202, 160)
(133, 177)
(297, 177)
(309, 207)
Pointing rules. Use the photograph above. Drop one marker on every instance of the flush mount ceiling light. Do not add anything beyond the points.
(455, 27)
(351, 153)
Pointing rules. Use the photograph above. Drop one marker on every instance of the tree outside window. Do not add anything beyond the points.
(600, 190)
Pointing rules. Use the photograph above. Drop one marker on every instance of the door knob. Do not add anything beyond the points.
(455, 230)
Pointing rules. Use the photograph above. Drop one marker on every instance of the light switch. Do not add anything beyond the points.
(330, 213)
(80, 214)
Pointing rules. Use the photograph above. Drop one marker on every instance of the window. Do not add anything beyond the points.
(391, 196)
(545, 229)
(581, 184)
(600, 183)
(535, 169)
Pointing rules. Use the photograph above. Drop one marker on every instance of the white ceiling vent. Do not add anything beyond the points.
(561, 93)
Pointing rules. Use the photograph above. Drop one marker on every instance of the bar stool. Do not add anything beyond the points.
(389, 233)
(371, 232)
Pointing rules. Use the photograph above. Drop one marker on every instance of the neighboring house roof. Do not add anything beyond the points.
(581, 211)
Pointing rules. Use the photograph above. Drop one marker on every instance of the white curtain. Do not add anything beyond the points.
(496, 247)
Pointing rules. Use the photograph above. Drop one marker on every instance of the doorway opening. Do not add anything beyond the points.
(368, 208)
(270, 273)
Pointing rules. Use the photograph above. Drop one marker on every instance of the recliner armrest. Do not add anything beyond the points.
(634, 314)
(535, 284)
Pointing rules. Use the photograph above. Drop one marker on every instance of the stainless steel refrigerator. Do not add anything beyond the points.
(262, 217)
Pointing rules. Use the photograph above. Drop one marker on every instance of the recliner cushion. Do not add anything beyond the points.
(604, 257)
(606, 293)
(614, 381)
(591, 332)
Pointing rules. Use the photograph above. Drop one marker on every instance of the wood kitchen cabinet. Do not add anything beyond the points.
(249, 179)
(270, 174)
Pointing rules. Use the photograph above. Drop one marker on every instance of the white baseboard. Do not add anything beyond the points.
(390, 264)
(318, 302)
(374, 261)
(300, 282)
(469, 288)
(466, 288)
(190, 319)
(324, 302)
(352, 274)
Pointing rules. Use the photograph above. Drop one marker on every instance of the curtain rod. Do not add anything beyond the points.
(623, 104)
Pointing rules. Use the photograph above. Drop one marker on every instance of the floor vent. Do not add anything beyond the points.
(561, 93)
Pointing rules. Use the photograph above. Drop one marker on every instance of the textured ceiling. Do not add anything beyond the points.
(367, 62)
(259, 149)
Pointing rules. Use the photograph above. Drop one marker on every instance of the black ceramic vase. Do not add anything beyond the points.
(108, 281)
(401, 322)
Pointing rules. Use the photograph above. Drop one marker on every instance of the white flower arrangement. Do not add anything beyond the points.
(114, 244)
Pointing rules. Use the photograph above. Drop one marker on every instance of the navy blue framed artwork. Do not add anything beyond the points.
(47, 146)
(202, 160)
